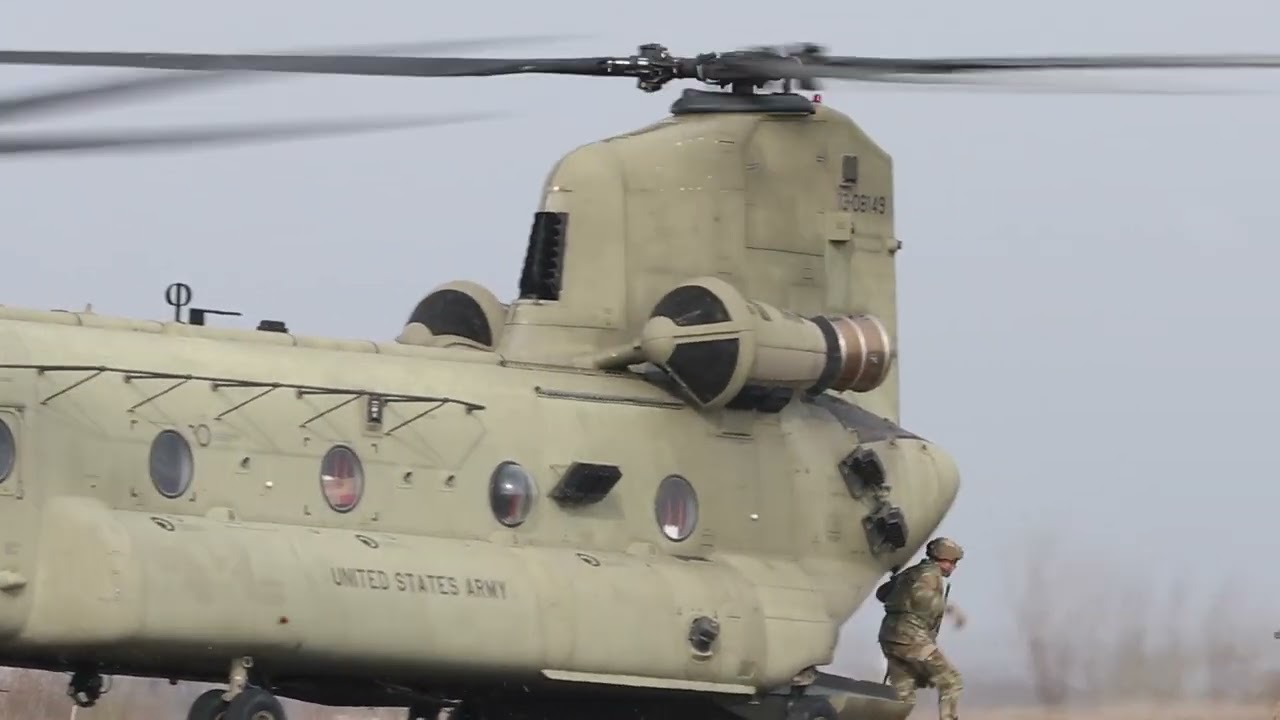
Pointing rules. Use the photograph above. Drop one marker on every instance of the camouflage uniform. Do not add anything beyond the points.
(915, 602)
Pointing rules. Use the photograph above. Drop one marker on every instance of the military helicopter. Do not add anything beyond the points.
(655, 483)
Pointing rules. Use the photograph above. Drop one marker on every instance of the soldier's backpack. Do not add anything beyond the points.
(886, 588)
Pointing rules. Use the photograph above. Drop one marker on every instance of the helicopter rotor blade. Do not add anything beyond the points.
(324, 64)
(193, 137)
(102, 91)
(812, 65)
(653, 66)
(988, 83)
(955, 65)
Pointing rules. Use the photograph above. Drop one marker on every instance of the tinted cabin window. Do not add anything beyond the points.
(676, 506)
(511, 493)
(171, 464)
(341, 478)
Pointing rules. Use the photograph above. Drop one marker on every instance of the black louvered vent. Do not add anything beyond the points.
(544, 260)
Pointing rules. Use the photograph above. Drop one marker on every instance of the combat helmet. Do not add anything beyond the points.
(942, 548)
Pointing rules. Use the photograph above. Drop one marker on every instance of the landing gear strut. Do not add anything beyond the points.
(240, 701)
(807, 707)
(86, 687)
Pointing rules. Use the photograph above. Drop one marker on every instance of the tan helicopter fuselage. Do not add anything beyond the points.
(420, 579)
(250, 560)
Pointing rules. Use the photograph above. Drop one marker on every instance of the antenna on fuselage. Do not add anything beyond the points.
(178, 295)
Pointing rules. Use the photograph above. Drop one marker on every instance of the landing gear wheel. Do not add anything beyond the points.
(811, 707)
(254, 704)
(209, 706)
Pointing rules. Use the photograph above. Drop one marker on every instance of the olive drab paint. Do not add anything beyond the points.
(479, 498)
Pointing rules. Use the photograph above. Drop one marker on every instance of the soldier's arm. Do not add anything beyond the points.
(957, 615)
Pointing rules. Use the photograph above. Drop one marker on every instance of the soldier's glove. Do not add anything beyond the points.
(957, 616)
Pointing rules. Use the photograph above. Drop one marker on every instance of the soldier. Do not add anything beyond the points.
(915, 602)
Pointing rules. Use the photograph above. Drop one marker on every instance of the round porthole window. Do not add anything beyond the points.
(676, 507)
(511, 492)
(341, 478)
(8, 451)
(171, 463)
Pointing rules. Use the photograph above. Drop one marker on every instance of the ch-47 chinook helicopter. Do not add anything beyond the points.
(654, 484)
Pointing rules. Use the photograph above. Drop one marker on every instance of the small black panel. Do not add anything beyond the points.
(273, 326)
(544, 260)
(586, 483)
(886, 529)
(849, 169)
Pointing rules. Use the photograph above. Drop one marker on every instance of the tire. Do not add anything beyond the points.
(209, 706)
(254, 704)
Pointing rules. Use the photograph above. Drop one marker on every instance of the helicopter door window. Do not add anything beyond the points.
(171, 463)
(676, 507)
(341, 478)
(511, 492)
(8, 451)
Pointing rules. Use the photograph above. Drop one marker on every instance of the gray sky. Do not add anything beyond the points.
(1086, 312)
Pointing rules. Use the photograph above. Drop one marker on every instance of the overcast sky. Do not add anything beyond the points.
(1088, 313)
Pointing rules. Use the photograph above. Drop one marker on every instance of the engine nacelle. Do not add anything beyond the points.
(715, 342)
(456, 313)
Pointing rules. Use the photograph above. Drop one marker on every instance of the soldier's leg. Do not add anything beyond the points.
(899, 673)
(902, 679)
(947, 680)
